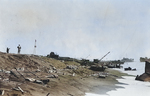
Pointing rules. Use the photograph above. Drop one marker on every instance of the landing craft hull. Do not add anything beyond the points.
(145, 76)
(97, 68)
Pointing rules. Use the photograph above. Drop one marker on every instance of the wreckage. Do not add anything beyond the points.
(145, 76)
(99, 66)
(129, 69)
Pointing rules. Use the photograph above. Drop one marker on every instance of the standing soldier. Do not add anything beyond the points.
(7, 50)
(19, 49)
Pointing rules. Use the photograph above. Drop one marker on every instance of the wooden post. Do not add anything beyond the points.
(48, 94)
(21, 90)
(33, 74)
(20, 74)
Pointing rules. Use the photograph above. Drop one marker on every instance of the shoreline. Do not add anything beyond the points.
(109, 83)
(78, 86)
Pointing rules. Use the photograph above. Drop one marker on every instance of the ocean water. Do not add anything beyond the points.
(131, 87)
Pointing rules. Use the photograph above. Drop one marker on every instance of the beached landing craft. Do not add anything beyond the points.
(129, 69)
(145, 76)
(127, 60)
(99, 66)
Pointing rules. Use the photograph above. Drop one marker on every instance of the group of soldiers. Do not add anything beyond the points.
(19, 49)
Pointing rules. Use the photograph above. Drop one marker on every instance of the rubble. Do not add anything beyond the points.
(45, 81)
(38, 82)
(48, 94)
(71, 67)
(2, 92)
(30, 79)
(73, 74)
(52, 76)
(21, 90)
(37, 73)
(103, 75)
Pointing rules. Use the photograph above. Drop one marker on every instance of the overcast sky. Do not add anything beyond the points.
(77, 28)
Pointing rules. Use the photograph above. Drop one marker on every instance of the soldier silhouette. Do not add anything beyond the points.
(19, 49)
(7, 50)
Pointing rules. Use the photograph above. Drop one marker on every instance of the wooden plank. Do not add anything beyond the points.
(21, 90)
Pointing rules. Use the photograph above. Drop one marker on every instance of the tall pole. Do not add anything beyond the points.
(104, 56)
(34, 52)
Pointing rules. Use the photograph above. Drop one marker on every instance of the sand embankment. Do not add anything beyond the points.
(63, 80)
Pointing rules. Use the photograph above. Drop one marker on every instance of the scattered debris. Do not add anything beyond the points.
(103, 75)
(73, 74)
(30, 79)
(54, 68)
(45, 81)
(18, 89)
(2, 92)
(129, 68)
(52, 76)
(38, 82)
(38, 70)
(21, 90)
(71, 67)
(48, 94)
(24, 69)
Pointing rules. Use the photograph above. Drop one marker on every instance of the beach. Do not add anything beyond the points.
(31, 75)
(129, 86)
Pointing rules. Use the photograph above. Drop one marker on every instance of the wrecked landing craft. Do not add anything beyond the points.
(145, 76)
(129, 69)
(97, 68)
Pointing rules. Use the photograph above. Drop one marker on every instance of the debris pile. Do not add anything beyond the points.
(71, 67)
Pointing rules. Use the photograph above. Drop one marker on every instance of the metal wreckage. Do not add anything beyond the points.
(146, 75)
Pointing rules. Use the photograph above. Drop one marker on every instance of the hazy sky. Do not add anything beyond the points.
(77, 28)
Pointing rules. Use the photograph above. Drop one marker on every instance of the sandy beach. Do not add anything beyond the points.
(127, 85)
(78, 86)
(28, 71)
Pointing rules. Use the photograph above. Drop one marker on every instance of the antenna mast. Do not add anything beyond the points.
(34, 52)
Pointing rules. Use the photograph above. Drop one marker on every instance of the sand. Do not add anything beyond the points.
(66, 84)
(70, 86)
